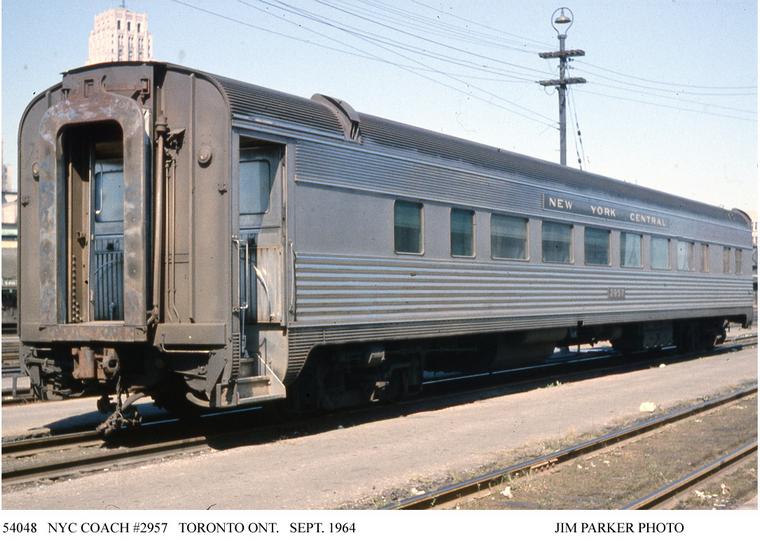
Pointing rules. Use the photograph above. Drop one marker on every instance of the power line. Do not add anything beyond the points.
(505, 79)
(366, 35)
(676, 98)
(413, 20)
(328, 22)
(419, 37)
(670, 84)
(364, 55)
(497, 30)
(571, 93)
(679, 91)
(575, 141)
(714, 114)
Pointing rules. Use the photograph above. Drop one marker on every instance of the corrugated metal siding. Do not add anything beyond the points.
(252, 100)
(347, 290)
(350, 299)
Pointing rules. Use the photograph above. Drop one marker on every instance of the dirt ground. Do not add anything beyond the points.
(611, 478)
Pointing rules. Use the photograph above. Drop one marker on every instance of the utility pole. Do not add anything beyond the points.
(560, 18)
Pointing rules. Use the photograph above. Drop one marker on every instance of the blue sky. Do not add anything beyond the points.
(465, 69)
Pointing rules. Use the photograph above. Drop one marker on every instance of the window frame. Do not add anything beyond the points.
(277, 149)
(704, 257)
(609, 246)
(527, 237)
(98, 175)
(572, 243)
(691, 262)
(422, 227)
(668, 241)
(641, 250)
(272, 166)
(473, 233)
(738, 264)
(726, 260)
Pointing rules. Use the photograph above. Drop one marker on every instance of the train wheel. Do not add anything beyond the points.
(394, 389)
(180, 400)
(695, 336)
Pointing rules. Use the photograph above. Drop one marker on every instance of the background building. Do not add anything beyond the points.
(120, 34)
(9, 250)
(9, 196)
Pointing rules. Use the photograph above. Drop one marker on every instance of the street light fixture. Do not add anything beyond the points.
(562, 19)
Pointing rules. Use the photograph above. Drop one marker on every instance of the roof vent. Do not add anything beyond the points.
(348, 118)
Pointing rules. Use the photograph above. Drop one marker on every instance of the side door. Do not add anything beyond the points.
(257, 288)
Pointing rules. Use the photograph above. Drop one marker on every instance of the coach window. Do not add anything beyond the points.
(462, 232)
(704, 258)
(407, 222)
(256, 178)
(556, 242)
(509, 237)
(630, 250)
(737, 260)
(596, 246)
(109, 190)
(726, 259)
(685, 256)
(660, 253)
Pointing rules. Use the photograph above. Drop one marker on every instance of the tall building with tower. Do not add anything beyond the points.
(120, 34)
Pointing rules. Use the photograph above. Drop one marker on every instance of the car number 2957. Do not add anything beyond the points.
(616, 294)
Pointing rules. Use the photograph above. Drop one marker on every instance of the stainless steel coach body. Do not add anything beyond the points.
(259, 229)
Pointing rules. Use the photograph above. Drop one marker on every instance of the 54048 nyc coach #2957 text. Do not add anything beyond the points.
(214, 243)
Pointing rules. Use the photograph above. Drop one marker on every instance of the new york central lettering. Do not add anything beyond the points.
(617, 213)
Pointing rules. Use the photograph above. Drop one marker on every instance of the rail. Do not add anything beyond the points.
(687, 481)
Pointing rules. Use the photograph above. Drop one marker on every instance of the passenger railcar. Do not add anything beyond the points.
(206, 240)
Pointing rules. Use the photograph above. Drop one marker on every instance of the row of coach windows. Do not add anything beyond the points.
(509, 240)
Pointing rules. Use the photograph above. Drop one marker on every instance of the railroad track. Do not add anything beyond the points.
(671, 491)
(82, 454)
(73, 454)
(489, 482)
